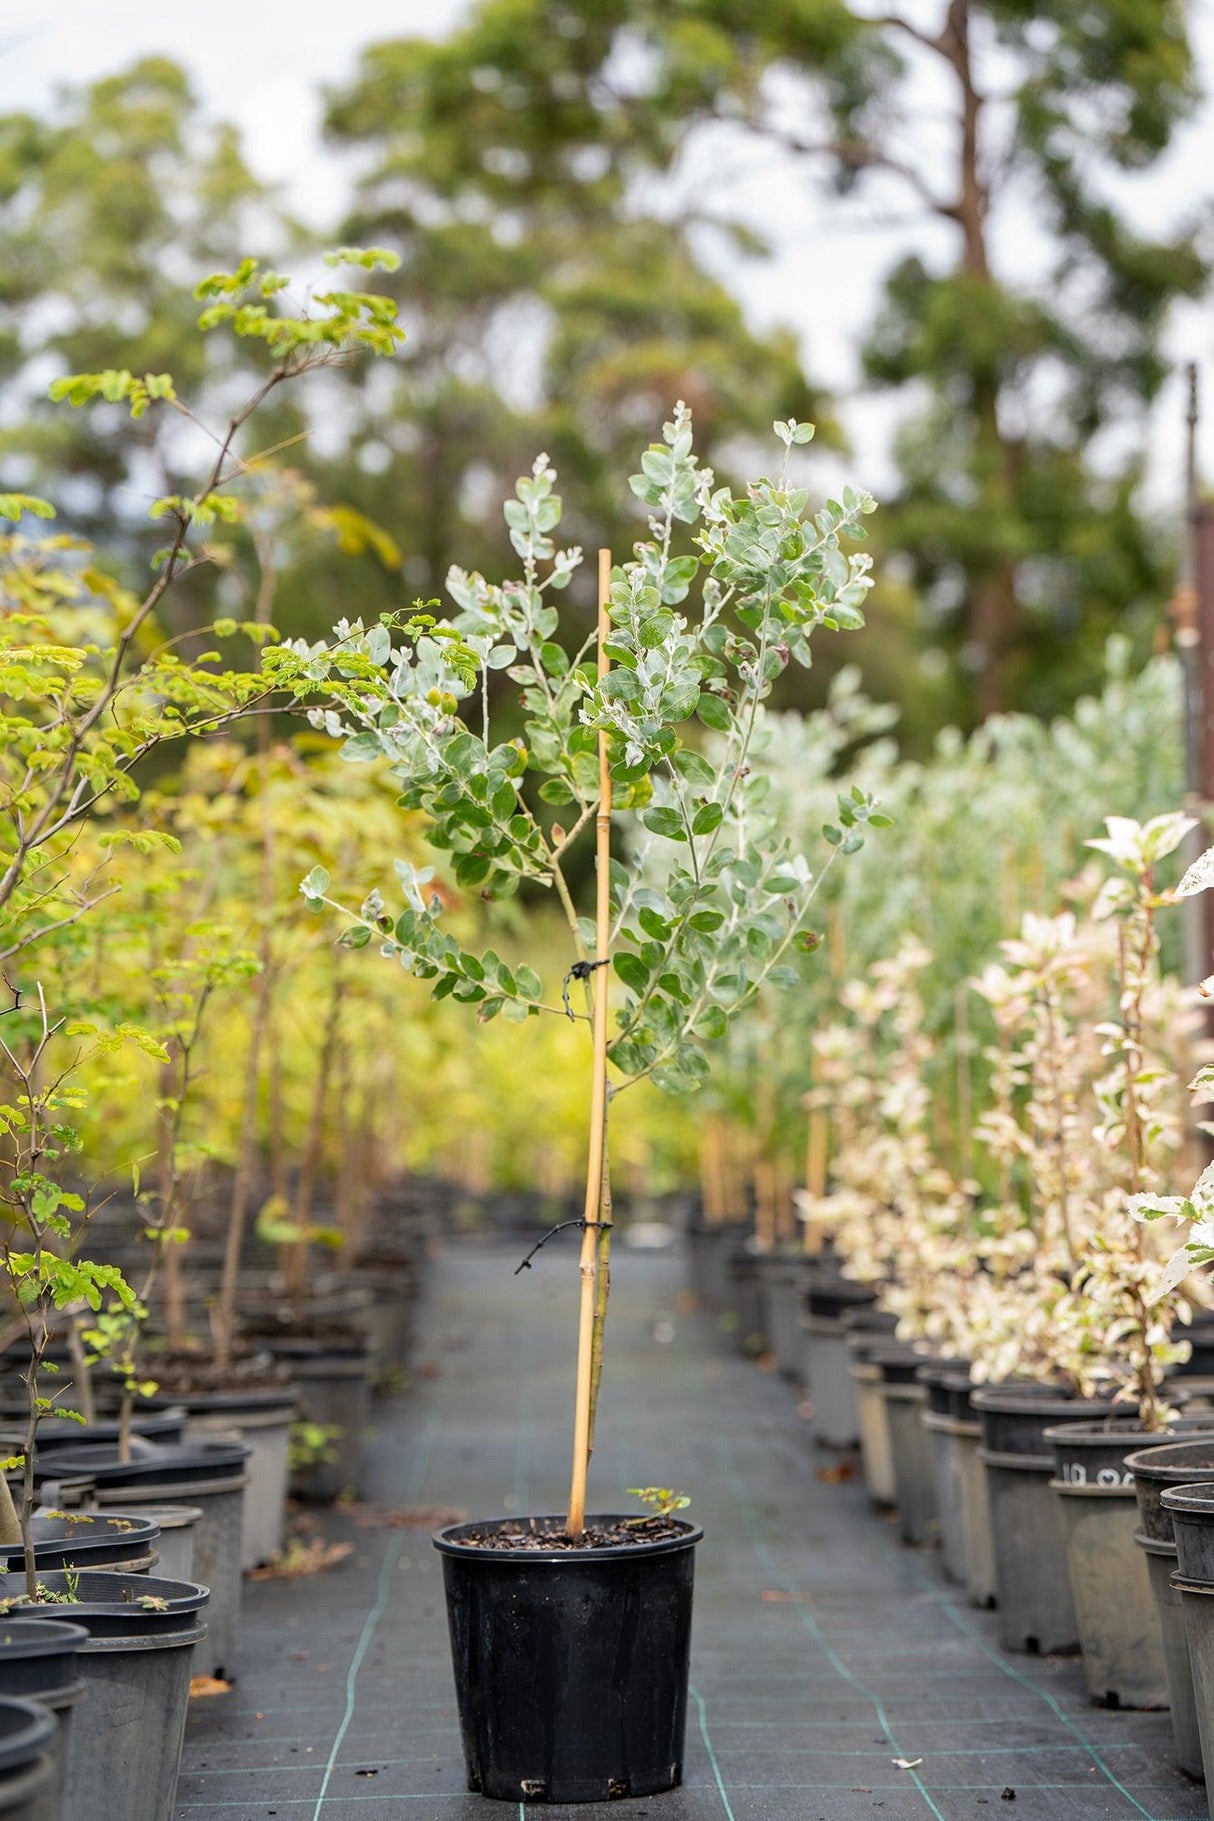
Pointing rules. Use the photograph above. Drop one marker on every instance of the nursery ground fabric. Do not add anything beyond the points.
(823, 1653)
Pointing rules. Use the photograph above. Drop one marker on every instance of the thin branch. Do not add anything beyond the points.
(860, 155)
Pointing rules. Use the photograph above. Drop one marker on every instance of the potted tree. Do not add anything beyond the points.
(660, 714)
(1131, 1129)
(92, 687)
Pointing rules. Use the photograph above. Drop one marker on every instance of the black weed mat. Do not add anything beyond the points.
(834, 1675)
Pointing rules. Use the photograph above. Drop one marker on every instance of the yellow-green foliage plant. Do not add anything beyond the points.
(92, 686)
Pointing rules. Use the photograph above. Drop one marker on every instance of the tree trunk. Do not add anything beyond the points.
(993, 616)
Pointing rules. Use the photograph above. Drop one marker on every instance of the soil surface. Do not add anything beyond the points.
(626, 1534)
(185, 1374)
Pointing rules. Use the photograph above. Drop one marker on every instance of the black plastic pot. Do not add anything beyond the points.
(87, 1540)
(827, 1302)
(698, 1235)
(110, 1605)
(744, 1302)
(944, 1429)
(38, 1662)
(38, 1654)
(779, 1280)
(166, 1427)
(829, 1294)
(125, 1752)
(1192, 1509)
(392, 1282)
(212, 1476)
(262, 1419)
(864, 1329)
(164, 1468)
(1119, 1631)
(1200, 1333)
(1197, 1603)
(966, 1537)
(1175, 1463)
(718, 1244)
(27, 1765)
(1036, 1611)
(333, 1383)
(570, 1666)
(905, 1398)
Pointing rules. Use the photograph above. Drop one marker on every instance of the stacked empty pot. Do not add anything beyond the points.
(779, 1289)
(827, 1298)
(1192, 1511)
(864, 1330)
(966, 1546)
(1115, 1611)
(210, 1476)
(38, 1662)
(905, 1398)
(744, 1298)
(260, 1417)
(1173, 1464)
(27, 1761)
(136, 1663)
(1032, 1583)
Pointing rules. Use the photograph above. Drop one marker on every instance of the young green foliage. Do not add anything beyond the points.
(89, 683)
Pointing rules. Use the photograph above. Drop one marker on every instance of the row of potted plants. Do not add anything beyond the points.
(1022, 1367)
(126, 1572)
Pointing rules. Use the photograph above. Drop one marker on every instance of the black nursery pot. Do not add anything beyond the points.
(1200, 1332)
(570, 1665)
(1192, 1509)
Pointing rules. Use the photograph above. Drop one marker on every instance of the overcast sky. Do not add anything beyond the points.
(255, 68)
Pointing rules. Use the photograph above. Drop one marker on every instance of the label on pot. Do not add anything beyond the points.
(1076, 1474)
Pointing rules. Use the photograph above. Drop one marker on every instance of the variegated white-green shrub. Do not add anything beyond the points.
(1046, 1275)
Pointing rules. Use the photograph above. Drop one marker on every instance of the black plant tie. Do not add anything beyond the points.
(581, 970)
(564, 1226)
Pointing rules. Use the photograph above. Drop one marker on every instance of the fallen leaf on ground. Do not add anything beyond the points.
(774, 1594)
(208, 1685)
(834, 1476)
(299, 1558)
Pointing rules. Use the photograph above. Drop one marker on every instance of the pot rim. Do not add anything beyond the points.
(35, 1727)
(1150, 1467)
(447, 1542)
(1195, 1498)
(94, 1461)
(1029, 1397)
(265, 1397)
(38, 1637)
(1103, 1431)
(181, 1597)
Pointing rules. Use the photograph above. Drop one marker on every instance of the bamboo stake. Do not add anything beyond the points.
(710, 1170)
(816, 1151)
(591, 1234)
